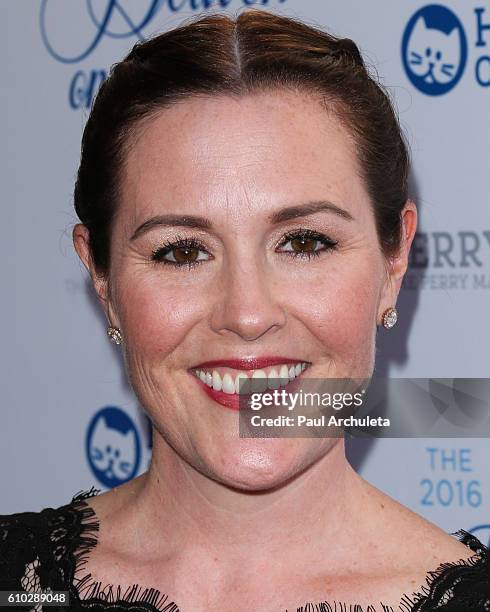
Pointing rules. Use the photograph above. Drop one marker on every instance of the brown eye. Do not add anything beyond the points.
(304, 245)
(185, 254)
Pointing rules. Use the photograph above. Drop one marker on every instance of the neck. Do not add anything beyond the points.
(190, 509)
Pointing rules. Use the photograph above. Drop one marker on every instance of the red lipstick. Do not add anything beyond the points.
(233, 400)
(247, 363)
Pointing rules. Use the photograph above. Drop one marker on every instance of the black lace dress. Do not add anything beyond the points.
(46, 551)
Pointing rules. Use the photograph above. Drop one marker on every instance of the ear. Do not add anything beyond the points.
(420, 27)
(397, 264)
(100, 283)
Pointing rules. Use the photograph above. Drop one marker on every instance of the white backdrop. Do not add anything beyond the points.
(63, 382)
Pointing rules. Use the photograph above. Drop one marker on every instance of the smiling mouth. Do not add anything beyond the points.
(226, 385)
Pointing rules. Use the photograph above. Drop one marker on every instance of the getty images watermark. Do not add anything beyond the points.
(376, 407)
(302, 400)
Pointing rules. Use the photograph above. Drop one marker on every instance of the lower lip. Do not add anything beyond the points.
(232, 400)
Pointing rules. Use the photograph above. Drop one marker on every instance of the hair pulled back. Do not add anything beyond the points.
(216, 54)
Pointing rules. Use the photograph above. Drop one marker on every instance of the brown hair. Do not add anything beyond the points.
(216, 54)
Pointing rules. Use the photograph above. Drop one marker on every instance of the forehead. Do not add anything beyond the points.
(245, 153)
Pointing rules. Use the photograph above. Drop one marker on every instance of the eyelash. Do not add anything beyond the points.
(190, 243)
(328, 243)
(179, 243)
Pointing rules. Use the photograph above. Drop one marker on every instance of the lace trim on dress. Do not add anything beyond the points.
(134, 598)
(338, 606)
(455, 583)
(456, 586)
(447, 588)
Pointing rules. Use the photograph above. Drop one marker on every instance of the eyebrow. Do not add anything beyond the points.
(171, 221)
(279, 216)
(308, 208)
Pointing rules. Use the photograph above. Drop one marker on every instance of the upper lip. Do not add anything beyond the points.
(248, 363)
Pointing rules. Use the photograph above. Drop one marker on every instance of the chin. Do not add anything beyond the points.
(258, 464)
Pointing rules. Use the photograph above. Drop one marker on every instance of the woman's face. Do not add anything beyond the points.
(282, 261)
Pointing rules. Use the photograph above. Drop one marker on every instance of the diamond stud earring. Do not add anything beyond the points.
(114, 334)
(390, 317)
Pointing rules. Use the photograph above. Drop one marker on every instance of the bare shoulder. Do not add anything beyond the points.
(116, 514)
(115, 559)
(422, 542)
(108, 505)
(404, 549)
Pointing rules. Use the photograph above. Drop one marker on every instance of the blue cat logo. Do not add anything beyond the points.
(434, 50)
(113, 447)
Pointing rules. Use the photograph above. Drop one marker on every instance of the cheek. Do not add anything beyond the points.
(154, 319)
(337, 303)
(340, 305)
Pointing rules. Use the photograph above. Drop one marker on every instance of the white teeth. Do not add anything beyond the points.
(228, 384)
(259, 374)
(240, 376)
(284, 375)
(216, 381)
(273, 378)
(273, 381)
(259, 378)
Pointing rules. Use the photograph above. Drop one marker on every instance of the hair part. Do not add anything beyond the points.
(219, 55)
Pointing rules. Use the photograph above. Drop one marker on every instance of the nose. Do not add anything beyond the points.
(248, 303)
